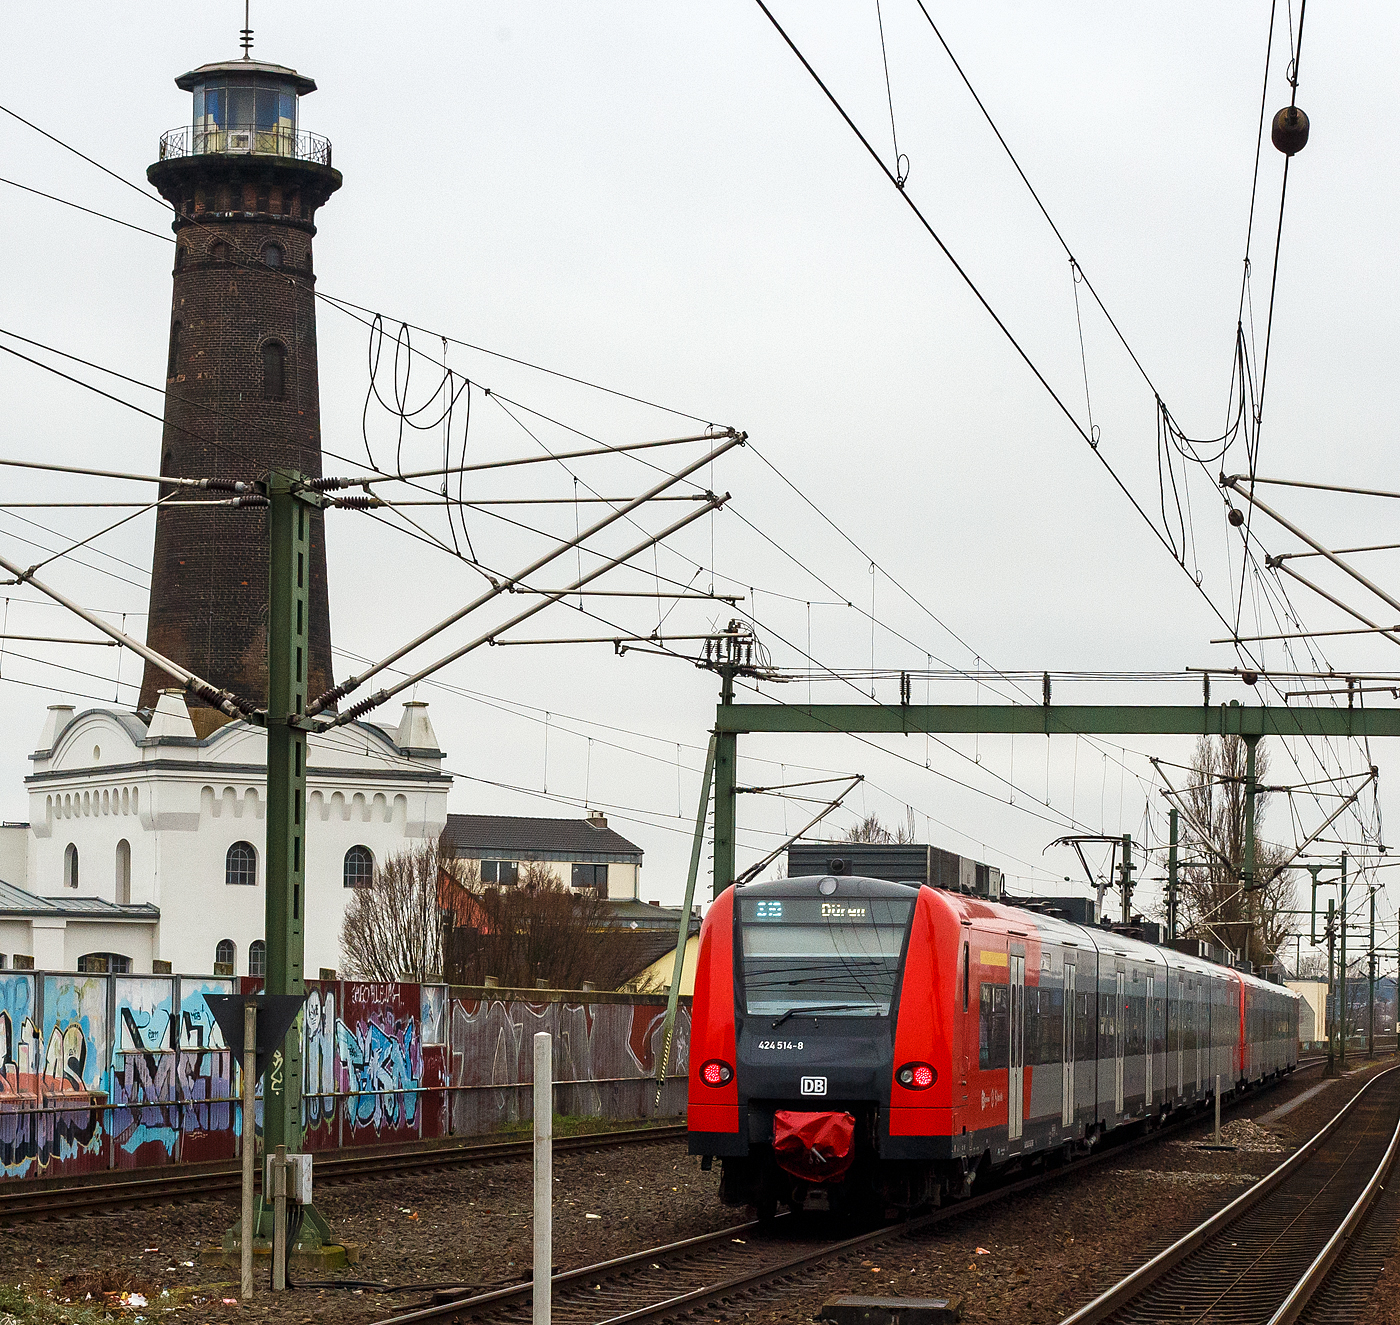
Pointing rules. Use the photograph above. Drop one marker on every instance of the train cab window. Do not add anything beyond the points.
(819, 956)
(994, 1027)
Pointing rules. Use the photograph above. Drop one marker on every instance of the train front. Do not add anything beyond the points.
(793, 1043)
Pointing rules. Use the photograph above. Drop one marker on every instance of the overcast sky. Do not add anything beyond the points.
(658, 198)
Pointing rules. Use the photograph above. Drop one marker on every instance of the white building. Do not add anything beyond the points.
(145, 842)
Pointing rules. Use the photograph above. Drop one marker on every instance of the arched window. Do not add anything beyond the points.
(174, 362)
(241, 865)
(257, 957)
(123, 872)
(179, 256)
(359, 867)
(274, 361)
(70, 866)
(219, 252)
(272, 255)
(224, 952)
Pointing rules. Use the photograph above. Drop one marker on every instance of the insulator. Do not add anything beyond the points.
(1290, 130)
(358, 503)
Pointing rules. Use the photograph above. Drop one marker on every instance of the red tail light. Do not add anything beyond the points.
(716, 1072)
(916, 1076)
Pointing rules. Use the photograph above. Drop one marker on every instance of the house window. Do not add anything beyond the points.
(359, 867)
(502, 872)
(241, 865)
(257, 957)
(272, 254)
(173, 363)
(274, 364)
(70, 866)
(224, 952)
(104, 963)
(591, 876)
(123, 867)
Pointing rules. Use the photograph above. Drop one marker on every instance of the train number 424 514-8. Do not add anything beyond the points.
(780, 1044)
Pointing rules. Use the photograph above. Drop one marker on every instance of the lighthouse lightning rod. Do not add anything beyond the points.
(350, 684)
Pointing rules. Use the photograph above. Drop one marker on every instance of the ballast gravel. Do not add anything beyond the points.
(1029, 1259)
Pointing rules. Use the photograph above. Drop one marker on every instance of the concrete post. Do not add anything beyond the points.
(544, 1178)
(279, 1220)
(250, 1146)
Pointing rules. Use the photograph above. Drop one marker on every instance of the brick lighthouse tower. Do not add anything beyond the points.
(242, 393)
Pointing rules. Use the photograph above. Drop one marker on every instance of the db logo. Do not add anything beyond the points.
(814, 1085)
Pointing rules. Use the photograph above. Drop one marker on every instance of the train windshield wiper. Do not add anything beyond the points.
(818, 1007)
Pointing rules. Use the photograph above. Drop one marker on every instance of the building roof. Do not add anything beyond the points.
(246, 68)
(518, 837)
(17, 902)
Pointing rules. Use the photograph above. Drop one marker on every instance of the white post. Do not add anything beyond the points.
(1217, 1108)
(279, 1220)
(544, 1177)
(250, 1143)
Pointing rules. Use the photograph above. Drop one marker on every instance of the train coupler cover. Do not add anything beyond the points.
(816, 1147)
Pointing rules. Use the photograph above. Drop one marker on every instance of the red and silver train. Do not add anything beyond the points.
(888, 1043)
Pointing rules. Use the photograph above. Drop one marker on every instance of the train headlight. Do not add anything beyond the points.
(716, 1072)
(916, 1076)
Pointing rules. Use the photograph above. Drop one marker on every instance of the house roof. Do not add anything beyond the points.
(518, 837)
(17, 902)
(651, 930)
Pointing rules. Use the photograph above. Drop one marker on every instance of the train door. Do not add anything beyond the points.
(1202, 1029)
(1121, 1019)
(1015, 1077)
(1180, 1005)
(1149, 1039)
(1067, 1076)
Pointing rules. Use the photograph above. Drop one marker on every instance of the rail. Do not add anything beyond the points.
(1202, 1264)
(22, 1204)
(245, 140)
(680, 1277)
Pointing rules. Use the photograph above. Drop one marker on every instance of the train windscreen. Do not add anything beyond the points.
(821, 956)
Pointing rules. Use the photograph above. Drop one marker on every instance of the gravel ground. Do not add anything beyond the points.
(468, 1225)
(1023, 1262)
(1035, 1259)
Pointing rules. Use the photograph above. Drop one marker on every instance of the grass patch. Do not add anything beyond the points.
(19, 1307)
(567, 1124)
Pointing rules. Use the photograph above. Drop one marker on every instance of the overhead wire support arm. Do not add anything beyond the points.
(204, 484)
(755, 870)
(224, 700)
(383, 696)
(331, 484)
(1388, 632)
(353, 683)
(1233, 482)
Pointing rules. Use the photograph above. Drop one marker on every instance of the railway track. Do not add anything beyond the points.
(1305, 1243)
(746, 1261)
(98, 1197)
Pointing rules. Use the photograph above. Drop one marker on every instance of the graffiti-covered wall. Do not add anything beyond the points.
(110, 1072)
(105, 1072)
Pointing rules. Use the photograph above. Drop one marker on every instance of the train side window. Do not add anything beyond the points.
(994, 1027)
(967, 974)
(1084, 1043)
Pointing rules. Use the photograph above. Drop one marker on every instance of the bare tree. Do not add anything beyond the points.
(393, 927)
(1215, 903)
(870, 829)
(538, 930)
